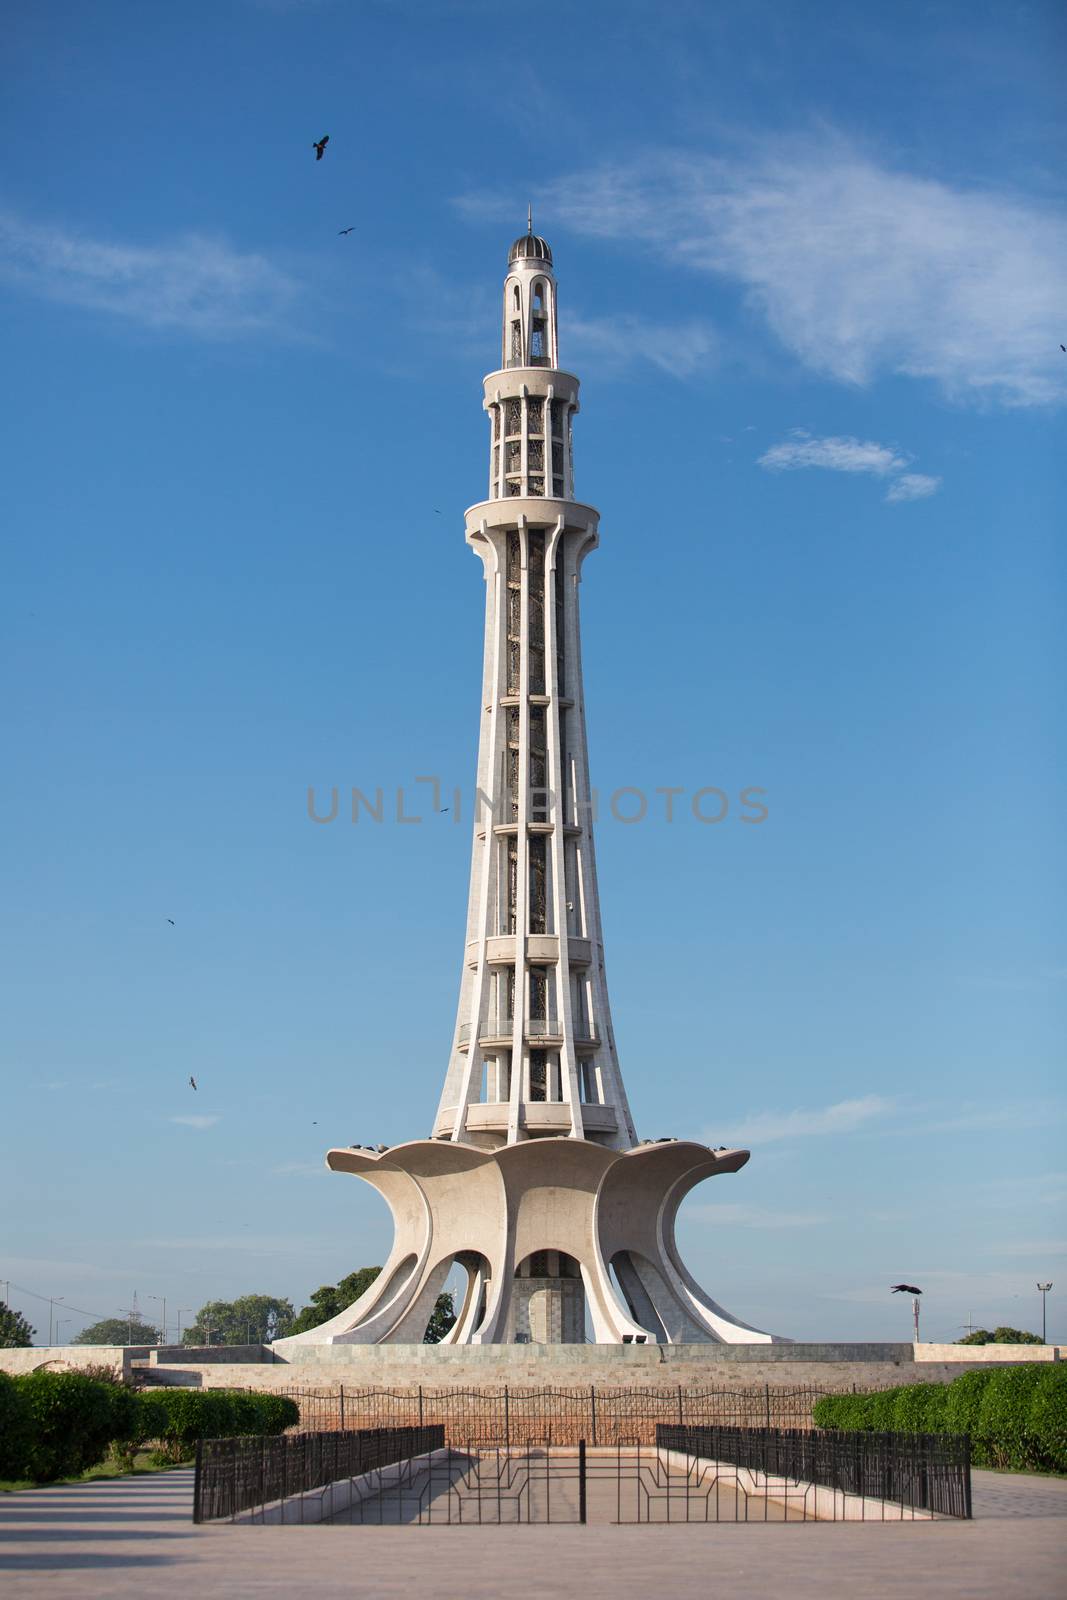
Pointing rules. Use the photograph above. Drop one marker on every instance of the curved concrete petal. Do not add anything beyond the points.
(491, 1210)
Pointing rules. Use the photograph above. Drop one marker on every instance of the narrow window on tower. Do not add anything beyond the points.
(514, 620)
(538, 1012)
(538, 884)
(538, 1075)
(538, 328)
(512, 876)
(515, 359)
(536, 597)
(538, 766)
(511, 784)
(560, 592)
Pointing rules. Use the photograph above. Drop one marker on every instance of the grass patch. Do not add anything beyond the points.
(144, 1463)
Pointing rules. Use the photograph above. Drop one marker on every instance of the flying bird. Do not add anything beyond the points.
(1063, 347)
(192, 1081)
(320, 147)
(904, 1288)
(341, 231)
(171, 921)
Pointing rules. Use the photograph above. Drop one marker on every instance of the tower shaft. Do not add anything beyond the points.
(533, 1051)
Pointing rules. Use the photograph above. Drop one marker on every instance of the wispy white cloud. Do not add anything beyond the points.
(195, 284)
(619, 342)
(858, 269)
(845, 1116)
(912, 486)
(301, 1169)
(736, 1216)
(835, 454)
(195, 1121)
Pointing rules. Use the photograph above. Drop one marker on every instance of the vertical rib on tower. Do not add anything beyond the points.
(534, 1051)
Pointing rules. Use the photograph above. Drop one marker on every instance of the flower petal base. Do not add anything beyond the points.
(602, 1211)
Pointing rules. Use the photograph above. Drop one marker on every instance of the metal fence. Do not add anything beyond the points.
(508, 1415)
(926, 1472)
(235, 1475)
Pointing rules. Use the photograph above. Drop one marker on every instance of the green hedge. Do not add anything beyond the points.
(177, 1418)
(58, 1424)
(14, 1428)
(71, 1421)
(1016, 1416)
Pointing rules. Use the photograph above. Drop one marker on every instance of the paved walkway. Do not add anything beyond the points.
(133, 1536)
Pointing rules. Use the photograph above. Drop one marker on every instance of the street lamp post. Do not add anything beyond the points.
(1043, 1289)
(163, 1331)
(53, 1300)
(60, 1322)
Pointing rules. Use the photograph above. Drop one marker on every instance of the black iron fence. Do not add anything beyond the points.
(516, 1416)
(234, 1475)
(925, 1472)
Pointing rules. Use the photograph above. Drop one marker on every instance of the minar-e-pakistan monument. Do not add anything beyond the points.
(534, 1179)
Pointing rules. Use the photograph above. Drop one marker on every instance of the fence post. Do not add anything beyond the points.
(592, 1410)
(581, 1480)
(681, 1419)
(507, 1420)
(420, 1405)
(197, 1482)
(342, 1408)
(767, 1404)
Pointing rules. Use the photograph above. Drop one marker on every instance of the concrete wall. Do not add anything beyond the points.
(324, 1367)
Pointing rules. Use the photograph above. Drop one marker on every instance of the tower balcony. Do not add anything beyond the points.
(540, 947)
(535, 1117)
(542, 1032)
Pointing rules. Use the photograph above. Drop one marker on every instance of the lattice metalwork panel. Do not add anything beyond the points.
(535, 415)
(514, 416)
(538, 884)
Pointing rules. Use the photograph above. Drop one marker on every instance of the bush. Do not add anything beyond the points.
(1048, 1418)
(71, 1420)
(920, 1408)
(177, 1418)
(880, 1410)
(14, 1429)
(962, 1405)
(279, 1412)
(1003, 1430)
(1015, 1416)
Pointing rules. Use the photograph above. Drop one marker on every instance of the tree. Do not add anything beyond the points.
(331, 1299)
(118, 1330)
(1000, 1336)
(442, 1319)
(250, 1319)
(15, 1331)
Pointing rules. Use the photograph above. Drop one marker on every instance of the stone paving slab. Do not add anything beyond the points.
(129, 1537)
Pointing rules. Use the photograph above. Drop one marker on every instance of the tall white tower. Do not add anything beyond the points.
(533, 1180)
(534, 1051)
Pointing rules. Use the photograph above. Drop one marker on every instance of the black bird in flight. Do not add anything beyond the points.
(1063, 347)
(320, 147)
(192, 1080)
(904, 1288)
(342, 231)
(171, 921)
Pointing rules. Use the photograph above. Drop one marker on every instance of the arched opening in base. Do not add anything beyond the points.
(547, 1300)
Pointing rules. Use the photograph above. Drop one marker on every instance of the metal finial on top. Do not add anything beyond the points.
(529, 219)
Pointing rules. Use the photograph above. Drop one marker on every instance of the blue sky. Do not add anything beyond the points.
(811, 266)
